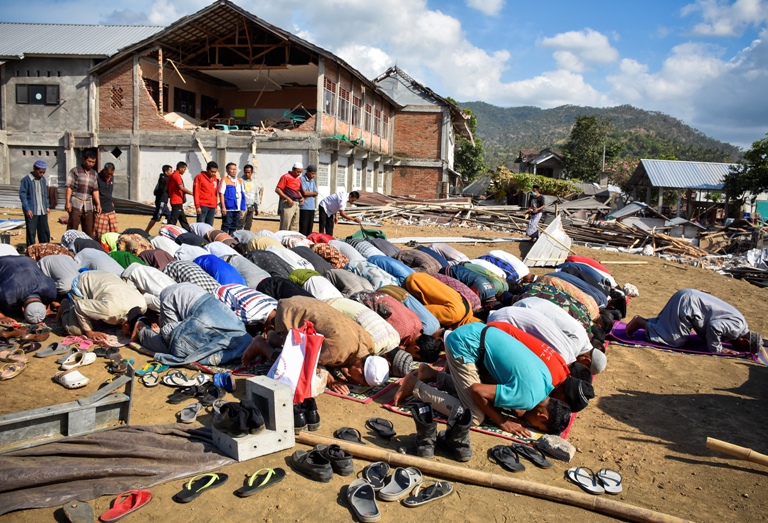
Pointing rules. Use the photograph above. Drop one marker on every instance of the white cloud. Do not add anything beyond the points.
(371, 61)
(488, 7)
(576, 50)
(721, 18)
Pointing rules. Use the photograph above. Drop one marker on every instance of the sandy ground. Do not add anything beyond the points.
(650, 421)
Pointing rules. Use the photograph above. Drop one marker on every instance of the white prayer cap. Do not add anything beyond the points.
(376, 370)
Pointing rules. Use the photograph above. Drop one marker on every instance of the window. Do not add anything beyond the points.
(357, 105)
(153, 86)
(368, 117)
(377, 122)
(385, 127)
(343, 105)
(329, 99)
(37, 94)
(183, 101)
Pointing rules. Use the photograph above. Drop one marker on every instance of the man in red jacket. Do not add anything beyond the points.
(205, 190)
(176, 192)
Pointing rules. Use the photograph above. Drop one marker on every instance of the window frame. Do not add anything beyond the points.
(357, 111)
(329, 97)
(343, 110)
(51, 94)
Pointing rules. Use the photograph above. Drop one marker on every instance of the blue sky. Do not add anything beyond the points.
(703, 61)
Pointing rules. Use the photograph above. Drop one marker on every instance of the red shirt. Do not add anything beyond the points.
(551, 358)
(173, 186)
(204, 191)
(291, 185)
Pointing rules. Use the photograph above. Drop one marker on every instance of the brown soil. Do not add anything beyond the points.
(653, 414)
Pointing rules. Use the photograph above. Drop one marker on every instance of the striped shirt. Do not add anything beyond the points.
(83, 184)
(250, 305)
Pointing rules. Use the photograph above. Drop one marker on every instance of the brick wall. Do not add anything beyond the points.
(309, 125)
(116, 102)
(420, 182)
(417, 135)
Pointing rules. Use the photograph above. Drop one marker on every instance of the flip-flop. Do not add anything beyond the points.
(376, 474)
(79, 512)
(533, 454)
(211, 393)
(150, 379)
(584, 478)
(53, 349)
(507, 457)
(362, 500)
(184, 394)
(259, 480)
(71, 379)
(401, 483)
(383, 427)
(349, 434)
(189, 413)
(199, 484)
(13, 356)
(11, 370)
(422, 496)
(611, 481)
(127, 502)
(179, 379)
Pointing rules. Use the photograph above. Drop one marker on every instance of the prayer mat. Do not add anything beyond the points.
(696, 344)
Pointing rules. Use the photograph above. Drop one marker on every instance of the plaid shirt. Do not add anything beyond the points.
(69, 237)
(250, 305)
(187, 271)
(83, 184)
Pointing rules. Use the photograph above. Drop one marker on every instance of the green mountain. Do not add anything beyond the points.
(642, 134)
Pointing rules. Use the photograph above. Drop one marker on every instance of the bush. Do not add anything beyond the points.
(507, 182)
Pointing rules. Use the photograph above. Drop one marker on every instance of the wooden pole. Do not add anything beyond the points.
(736, 451)
(485, 479)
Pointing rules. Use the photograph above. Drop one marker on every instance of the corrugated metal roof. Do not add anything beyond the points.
(686, 175)
(18, 40)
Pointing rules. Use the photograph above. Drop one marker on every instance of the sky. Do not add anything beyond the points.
(702, 61)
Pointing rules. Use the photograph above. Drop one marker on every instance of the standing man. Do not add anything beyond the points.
(307, 209)
(106, 220)
(204, 190)
(161, 197)
(535, 207)
(336, 203)
(34, 202)
(253, 193)
(232, 199)
(82, 196)
(289, 191)
(176, 195)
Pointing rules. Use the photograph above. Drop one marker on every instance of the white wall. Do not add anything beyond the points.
(151, 163)
(270, 167)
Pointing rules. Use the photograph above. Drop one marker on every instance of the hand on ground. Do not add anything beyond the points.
(339, 387)
(515, 428)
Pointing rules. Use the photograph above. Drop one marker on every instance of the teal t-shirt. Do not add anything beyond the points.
(523, 380)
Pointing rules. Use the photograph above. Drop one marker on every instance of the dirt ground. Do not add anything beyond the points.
(652, 415)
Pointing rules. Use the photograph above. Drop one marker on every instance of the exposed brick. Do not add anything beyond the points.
(417, 135)
(420, 182)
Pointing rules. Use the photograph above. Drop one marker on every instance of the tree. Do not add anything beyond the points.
(583, 152)
(751, 173)
(468, 159)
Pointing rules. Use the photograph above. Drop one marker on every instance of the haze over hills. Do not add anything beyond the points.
(643, 134)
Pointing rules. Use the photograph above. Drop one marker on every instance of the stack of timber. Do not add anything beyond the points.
(616, 234)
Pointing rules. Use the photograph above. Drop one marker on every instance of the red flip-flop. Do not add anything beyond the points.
(127, 502)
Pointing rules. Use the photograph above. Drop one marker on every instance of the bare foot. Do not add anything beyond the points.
(636, 323)
(426, 373)
(406, 388)
(136, 330)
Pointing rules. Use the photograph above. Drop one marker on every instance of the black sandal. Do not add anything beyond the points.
(348, 434)
(507, 457)
(535, 455)
(383, 427)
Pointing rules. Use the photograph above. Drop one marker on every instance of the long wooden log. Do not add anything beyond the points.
(737, 451)
(599, 504)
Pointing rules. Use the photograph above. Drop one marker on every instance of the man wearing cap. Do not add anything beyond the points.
(82, 196)
(307, 209)
(24, 287)
(33, 193)
(289, 190)
(690, 310)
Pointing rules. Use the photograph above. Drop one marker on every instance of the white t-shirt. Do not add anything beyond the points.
(540, 326)
(570, 326)
(8, 250)
(520, 268)
(335, 202)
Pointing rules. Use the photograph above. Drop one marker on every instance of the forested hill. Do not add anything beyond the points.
(643, 134)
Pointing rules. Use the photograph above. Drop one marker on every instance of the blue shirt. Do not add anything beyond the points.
(523, 379)
(309, 186)
(394, 267)
(429, 323)
(220, 270)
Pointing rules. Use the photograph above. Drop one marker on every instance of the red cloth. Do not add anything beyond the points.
(204, 190)
(173, 186)
(551, 358)
(319, 237)
(312, 345)
(588, 261)
(291, 185)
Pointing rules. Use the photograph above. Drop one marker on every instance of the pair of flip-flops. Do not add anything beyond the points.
(606, 481)
(394, 487)
(508, 456)
(349, 434)
(180, 379)
(382, 427)
(207, 394)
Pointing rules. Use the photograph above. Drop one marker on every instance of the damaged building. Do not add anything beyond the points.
(220, 84)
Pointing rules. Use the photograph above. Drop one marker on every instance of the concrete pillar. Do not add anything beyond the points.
(350, 174)
(363, 174)
(648, 195)
(136, 80)
(661, 197)
(679, 201)
(134, 167)
(333, 168)
(320, 91)
(221, 151)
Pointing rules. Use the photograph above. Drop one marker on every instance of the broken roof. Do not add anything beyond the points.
(676, 174)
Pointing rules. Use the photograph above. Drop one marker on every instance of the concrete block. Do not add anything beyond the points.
(275, 401)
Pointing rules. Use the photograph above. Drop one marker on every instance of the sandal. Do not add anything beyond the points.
(127, 502)
(376, 474)
(348, 434)
(71, 379)
(11, 370)
(179, 379)
(507, 457)
(66, 355)
(152, 366)
(199, 484)
(401, 483)
(586, 479)
(611, 481)
(189, 413)
(13, 356)
(185, 394)
(212, 393)
(29, 346)
(53, 349)
(362, 500)
(383, 427)
(150, 379)
(78, 359)
(439, 489)
(260, 480)
(533, 454)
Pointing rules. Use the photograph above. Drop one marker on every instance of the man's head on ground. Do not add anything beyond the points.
(425, 348)
(212, 168)
(597, 335)
(311, 171)
(551, 416)
(580, 372)
(89, 159)
(606, 319)
(108, 170)
(34, 310)
(574, 392)
(248, 171)
(134, 315)
(401, 363)
(354, 196)
(297, 169)
(371, 371)
(39, 168)
(594, 359)
(181, 167)
(750, 342)
(231, 169)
